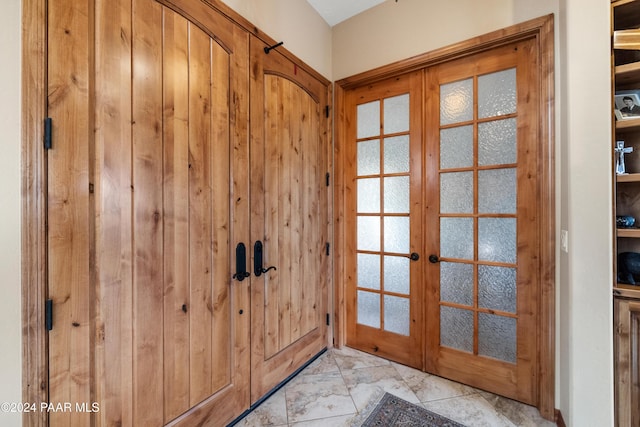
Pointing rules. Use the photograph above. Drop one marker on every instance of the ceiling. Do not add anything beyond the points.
(336, 11)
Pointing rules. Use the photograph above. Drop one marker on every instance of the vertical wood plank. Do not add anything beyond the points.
(285, 207)
(113, 229)
(312, 191)
(272, 212)
(176, 214)
(297, 145)
(240, 319)
(34, 198)
(200, 227)
(147, 214)
(220, 183)
(69, 105)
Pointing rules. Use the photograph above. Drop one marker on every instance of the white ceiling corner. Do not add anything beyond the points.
(336, 11)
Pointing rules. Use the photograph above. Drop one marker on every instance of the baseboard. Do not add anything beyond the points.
(559, 419)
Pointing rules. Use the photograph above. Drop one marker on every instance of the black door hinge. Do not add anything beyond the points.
(327, 176)
(48, 314)
(328, 319)
(326, 111)
(48, 144)
(327, 248)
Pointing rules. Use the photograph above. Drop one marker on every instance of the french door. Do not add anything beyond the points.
(384, 301)
(481, 192)
(468, 220)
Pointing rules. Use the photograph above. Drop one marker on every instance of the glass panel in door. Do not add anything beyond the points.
(478, 215)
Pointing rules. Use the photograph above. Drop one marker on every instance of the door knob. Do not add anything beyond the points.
(433, 259)
(414, 256)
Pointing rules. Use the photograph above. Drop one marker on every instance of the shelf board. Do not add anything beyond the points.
(628, 177)
(629, 232)
(628, 74)
(628, 124)
(624, 290)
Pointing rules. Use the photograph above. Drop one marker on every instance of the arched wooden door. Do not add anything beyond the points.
(289, 217)
(148, 197)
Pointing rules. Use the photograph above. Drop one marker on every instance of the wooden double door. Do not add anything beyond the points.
(443, 224)
(179, 148)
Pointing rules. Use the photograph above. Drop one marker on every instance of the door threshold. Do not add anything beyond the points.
(276, 388)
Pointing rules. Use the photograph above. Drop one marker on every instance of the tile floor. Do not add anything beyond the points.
(336, 389)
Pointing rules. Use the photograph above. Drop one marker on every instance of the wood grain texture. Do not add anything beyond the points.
(222, 304)
(34, 199)
(148, 358)
(68, 205)
(200, 204)
(627, 361)
(113, 378)
(177, 307)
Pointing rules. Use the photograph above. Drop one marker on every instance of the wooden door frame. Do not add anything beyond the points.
(34, 191)
(542, 31)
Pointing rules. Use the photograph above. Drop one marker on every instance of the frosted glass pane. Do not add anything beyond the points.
(497, 191)
(456, 328)
(497, 239)
(456, 192)
(497, 142)
(369, 271)
(396, 114)
(396, 154)
(456, 102)
(456, 283)
(456, 147)
(456, 238)
(368, 158)
(396, 315)
(369, 309)
(396, 194)
(497, 288)
(368, 119)
(396, 234)
(369, 195)
(369, 233)
(396, 274)
(497, 93)
(497, 337)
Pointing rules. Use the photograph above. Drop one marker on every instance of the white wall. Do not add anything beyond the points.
(296, 23)
(10, 205)
(586, 354)
(394, 31)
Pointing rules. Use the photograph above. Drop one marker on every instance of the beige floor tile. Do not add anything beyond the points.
(311, 397)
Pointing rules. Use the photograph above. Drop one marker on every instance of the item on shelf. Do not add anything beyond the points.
(625, 221)
(628, 267)
(627, 104)
(620, 151)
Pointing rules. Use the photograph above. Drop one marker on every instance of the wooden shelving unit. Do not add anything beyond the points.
(625, 74)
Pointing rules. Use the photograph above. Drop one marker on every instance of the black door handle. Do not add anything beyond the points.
(414, 256)
(257, 260)
(241, 263)
(433, 259)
